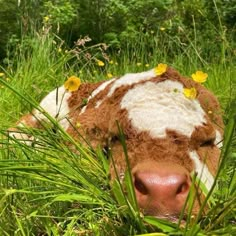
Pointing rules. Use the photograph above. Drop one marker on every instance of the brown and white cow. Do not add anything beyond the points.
(168, 135)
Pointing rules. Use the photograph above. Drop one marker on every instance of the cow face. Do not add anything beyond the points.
(169, 137)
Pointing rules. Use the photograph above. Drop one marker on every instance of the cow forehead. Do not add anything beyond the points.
(157, 107)
(131, 78)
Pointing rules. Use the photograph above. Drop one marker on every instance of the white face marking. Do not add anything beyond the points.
(56, 105)
(155, 107)
(96, 91)
(101, 88)
(130, 79)
(218, 141)
(202, 171)
(98, 103)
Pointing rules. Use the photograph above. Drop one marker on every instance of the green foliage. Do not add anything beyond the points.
(8, 24)
(60, 12)
(116, 22)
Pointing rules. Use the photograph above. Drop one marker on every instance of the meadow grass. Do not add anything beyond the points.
(52, 188)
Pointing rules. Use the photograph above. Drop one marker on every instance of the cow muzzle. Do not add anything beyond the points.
(161, 188)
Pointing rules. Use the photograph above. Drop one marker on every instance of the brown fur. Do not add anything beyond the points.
(99, 125)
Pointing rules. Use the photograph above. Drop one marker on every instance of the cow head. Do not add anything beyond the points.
(169, 137)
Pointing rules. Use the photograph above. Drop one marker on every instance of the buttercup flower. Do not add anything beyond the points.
(100, 63)
(200, 76)
(2, 74)
(46, 18)
(147, 65)
(160, 69)
(72, 84)
(190, 93)
(109, 75)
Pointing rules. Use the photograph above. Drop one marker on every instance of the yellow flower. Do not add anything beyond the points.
(2, 74)
(160, 69)
(100, 63)
(200, 76)
(190, 93)
(162, 28)
(46, 18)
(59, 49)
(78, 125)
(109, 75)
(72, 84)
(147, 65)
(111, 62)
(139, 64)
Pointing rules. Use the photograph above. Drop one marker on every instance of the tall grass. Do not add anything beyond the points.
(52, 188)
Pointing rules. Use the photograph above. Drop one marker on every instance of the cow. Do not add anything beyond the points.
(170, 136)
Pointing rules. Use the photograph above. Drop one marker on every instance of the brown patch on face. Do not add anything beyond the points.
(98, 125)
(84, 91)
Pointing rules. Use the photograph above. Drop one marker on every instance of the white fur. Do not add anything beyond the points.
(101, 88)
(56, 105)
(130, 79)
(218, 141)
(202, 171)
(98, 103)
(95, 92)
(156, 107)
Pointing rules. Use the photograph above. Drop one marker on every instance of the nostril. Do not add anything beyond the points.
(139, 185)
(183, 188)
(182, 184)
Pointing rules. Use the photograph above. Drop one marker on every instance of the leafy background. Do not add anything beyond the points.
(116, 22)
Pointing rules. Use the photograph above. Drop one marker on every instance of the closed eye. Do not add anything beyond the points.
(208, 143)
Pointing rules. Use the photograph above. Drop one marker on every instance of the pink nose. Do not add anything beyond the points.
(161, 189)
